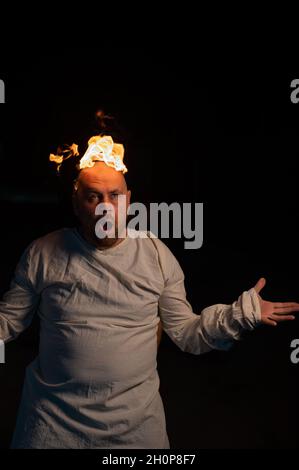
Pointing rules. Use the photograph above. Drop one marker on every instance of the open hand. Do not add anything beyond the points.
(274, 312)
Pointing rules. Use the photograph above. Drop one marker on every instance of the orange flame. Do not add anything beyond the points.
(69, 151)
(102, 148)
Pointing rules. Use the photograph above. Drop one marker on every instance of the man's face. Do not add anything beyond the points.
(99, 184)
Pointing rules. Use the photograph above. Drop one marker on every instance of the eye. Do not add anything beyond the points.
(114, 195)
(92, 197)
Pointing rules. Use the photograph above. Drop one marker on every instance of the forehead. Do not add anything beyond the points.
(101, 177)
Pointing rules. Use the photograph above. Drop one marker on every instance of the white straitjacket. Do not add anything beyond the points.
(94, 383)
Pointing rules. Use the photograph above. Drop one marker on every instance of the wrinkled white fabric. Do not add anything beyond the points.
(94, 383)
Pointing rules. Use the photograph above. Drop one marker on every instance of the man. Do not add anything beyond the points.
(94, 383)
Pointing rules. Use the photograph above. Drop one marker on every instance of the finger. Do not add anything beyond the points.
(282, 317)
(268, 321)
(285, 304)
(260, 284)
(286, 310)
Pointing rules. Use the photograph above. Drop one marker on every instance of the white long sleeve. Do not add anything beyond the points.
(217, 327)
(19, 303)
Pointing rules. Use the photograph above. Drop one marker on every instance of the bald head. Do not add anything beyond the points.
(102, 174)
(95, 185)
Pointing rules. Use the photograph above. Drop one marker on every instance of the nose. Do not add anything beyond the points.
(106, 199)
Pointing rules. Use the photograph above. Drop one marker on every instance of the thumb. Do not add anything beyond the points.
(260, 284)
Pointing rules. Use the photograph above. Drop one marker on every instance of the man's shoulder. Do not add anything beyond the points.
(150, 242)
(159, 245)
(52, 240)
(43, 251)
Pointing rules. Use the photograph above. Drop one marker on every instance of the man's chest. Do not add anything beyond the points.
(110, 291)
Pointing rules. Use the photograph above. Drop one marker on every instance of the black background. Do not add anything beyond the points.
(223, 133)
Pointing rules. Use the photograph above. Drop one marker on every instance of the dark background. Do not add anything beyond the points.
(223, 133)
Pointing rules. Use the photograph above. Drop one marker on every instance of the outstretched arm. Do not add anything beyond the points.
(219, 325)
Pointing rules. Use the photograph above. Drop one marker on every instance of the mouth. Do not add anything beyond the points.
(107, 229)
(107, 226)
